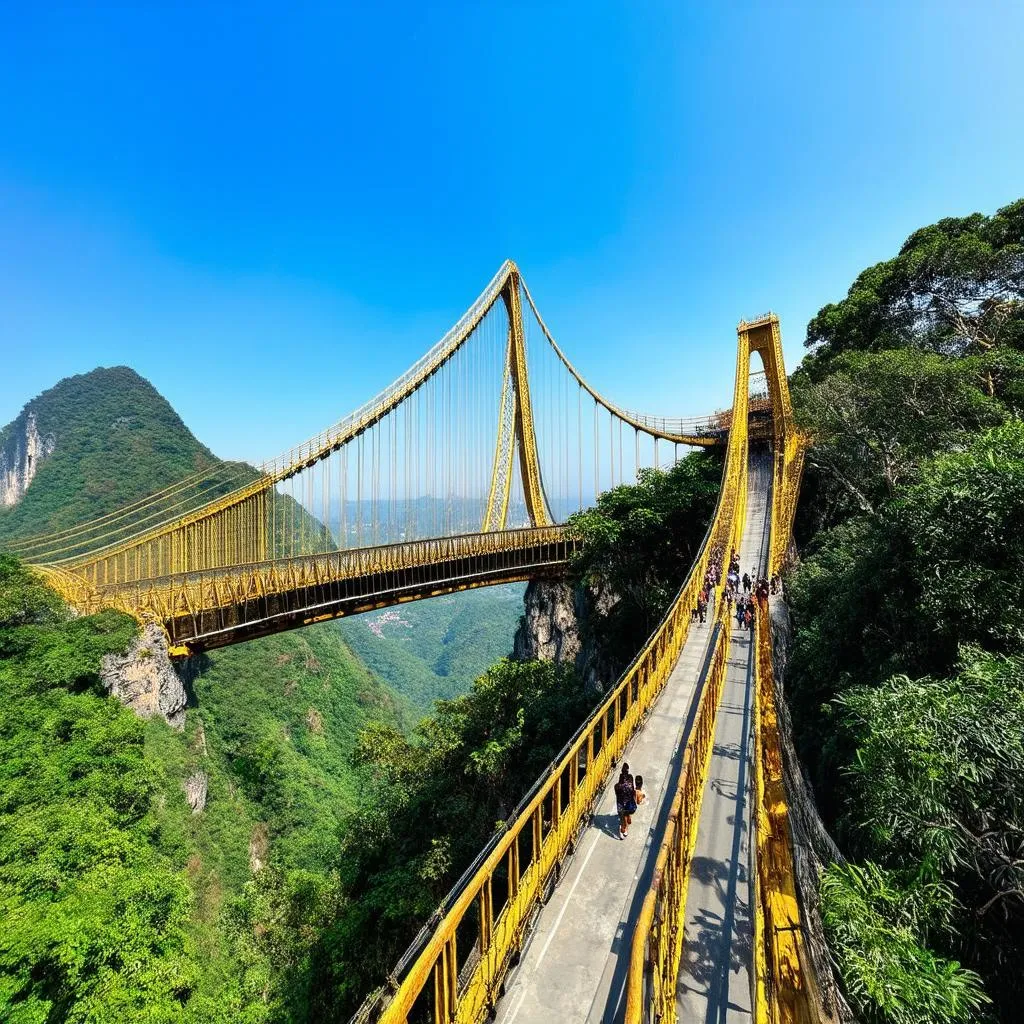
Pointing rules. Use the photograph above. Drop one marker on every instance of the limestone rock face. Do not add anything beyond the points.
(145, 680)
(259, 847)
(195, 791)
(559, 623)
(550, 629)
(20, 459)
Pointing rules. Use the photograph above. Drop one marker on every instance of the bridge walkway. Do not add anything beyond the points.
(715, 976)
(574, 965)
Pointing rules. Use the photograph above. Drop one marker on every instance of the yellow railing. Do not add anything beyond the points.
(784, 988)
(657, 940)
(166, 596)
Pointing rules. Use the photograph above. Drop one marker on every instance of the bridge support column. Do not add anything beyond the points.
(764, 337)
(515, 425)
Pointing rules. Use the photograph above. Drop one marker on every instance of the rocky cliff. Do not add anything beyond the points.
(145, 680)
(23, 450)
(560, 623)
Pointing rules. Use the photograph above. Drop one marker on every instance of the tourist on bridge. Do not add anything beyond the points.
(741, 610)
(638, 790)
(625, 800)
(746, 583)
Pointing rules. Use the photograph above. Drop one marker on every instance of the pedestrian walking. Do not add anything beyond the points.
(638, 790)
(625, 800)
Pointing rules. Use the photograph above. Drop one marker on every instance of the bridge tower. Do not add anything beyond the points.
(763, 336)
(515, 424)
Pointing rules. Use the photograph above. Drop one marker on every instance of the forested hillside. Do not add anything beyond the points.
(273, 730)
(118, 902)
(907, 673)
(433, 650)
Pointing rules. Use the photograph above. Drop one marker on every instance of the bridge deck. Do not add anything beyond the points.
(574, 966)
(715, 977)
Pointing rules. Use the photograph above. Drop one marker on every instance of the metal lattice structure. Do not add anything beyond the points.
(449, 977)
(354, 517)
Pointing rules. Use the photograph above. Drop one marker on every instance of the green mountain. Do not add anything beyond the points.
(114, 439)
(434, 650)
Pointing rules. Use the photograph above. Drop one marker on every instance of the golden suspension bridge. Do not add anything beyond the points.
(457, 476)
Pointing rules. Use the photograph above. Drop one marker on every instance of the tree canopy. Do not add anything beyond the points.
(906, 672)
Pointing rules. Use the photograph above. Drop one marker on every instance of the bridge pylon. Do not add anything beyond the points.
(515, 424)
(763, 336)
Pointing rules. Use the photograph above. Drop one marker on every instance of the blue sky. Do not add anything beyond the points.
(271, 211)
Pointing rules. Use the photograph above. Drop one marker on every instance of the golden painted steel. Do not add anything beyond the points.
(213, 607)
(233, 528)
(785, 990)
(657, 940)
(657, 948)
(515, 425)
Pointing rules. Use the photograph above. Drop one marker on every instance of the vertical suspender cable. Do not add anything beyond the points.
(579, 439)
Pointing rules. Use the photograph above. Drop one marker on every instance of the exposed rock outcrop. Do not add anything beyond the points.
(195, 791)
(259, 847)
(20, 458)
(145, 680)
(558, 624)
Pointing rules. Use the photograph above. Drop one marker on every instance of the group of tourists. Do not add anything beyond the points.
(707, 590)
(629, 795)
(754, 595)
(629, 790)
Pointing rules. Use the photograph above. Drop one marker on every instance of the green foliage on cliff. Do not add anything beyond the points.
(95, 921)
(907, 670)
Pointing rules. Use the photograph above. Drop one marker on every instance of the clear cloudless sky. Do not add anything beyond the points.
(271, 210)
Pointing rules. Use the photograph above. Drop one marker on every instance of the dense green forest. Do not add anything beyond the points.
(119, 903)
(907, 675)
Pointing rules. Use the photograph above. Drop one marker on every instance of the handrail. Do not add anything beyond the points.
(785, 989)
(664, 906)
(657, 942)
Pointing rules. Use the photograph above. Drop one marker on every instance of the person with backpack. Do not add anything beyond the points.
(746, 583)
(625, 800)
